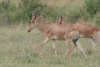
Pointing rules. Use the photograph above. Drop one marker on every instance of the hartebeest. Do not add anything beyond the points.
(53, 32)
(87, 31)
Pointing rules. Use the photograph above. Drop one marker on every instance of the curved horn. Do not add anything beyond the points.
(60, 16)
(35, 10)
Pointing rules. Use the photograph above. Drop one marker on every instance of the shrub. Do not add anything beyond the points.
(92, 6)
(23, 12)
(73, 16)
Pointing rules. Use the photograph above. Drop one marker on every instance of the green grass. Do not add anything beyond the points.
(18, 48)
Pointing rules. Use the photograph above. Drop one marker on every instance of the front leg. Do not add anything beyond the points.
(45, 41)
(69, 47)
(54, 47)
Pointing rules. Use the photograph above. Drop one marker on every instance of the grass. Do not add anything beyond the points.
(18, 48)
(60, 3)
(64, 7)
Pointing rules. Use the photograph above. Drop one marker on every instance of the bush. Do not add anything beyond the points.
(74, 15)
(92, 7)
(12, 13)
(23, 12)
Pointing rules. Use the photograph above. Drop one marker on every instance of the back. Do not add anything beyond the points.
(86, 30)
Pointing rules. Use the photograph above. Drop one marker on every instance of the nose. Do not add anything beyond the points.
(28, 31)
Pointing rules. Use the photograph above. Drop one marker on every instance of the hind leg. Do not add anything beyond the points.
(93, 42)
(80, 48)
(97, 38)
(69, 47)
(54, 47)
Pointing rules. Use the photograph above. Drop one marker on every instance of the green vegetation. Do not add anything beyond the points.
(92, 7)
(21, 10)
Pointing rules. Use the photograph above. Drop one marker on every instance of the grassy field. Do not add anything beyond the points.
(18, 48)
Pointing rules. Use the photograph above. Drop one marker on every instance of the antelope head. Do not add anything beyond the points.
(34, 21)
(61, 20)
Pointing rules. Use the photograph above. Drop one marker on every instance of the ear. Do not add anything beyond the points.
(39, 18)
(64, 19)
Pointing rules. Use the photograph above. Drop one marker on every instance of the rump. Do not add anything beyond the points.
(97, 38)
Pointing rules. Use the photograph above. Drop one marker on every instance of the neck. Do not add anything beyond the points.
(41, 26)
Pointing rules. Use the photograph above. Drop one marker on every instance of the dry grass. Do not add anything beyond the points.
(64, 6)
(61, 3)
